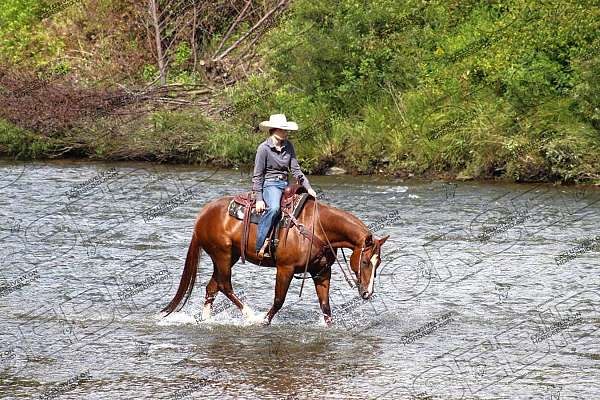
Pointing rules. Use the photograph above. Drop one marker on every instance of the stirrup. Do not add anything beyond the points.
(263, 252)
(262, 255)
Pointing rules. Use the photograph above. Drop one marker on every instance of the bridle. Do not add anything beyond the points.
(362, 250)
(328, 248)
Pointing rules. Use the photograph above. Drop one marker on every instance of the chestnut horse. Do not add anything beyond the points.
(220, 235)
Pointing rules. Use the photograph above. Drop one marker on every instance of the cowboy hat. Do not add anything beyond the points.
(278, 121)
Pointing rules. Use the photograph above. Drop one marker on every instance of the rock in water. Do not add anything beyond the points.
(335, 171)
(464, 177)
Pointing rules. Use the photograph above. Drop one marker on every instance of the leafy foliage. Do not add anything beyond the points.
(450, 86)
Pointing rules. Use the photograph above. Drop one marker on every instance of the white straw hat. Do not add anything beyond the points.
(278, 121)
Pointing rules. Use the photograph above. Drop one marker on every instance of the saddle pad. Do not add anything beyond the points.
(236, 210)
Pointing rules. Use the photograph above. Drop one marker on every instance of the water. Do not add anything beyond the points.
(477, 296)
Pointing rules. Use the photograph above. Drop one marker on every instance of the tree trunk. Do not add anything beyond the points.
(157, 37)
(194, 44)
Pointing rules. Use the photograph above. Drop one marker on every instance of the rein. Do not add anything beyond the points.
(336, 259)
(310, 246)
(302, 230)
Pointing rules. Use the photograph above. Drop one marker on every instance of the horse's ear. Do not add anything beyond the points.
(383, 239)
(369, 240)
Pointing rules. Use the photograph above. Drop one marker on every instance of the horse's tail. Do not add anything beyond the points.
(188, 278)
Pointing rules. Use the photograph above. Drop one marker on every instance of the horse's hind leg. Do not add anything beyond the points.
(211, 292)
(223, 263)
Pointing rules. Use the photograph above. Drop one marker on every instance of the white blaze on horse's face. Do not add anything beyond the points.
(374, 262)
(366, 277)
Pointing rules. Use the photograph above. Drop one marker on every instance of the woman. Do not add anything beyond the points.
(274, 159)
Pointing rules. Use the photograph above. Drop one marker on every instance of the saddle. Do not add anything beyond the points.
(242, 207)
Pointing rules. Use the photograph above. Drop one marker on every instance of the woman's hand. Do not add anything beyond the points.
(312, 193)
(260, 206)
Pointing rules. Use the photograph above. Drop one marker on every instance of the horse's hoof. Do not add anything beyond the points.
(265, 322)
(206, 312)
(248, 313)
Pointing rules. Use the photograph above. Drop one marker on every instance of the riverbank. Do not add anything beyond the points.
(471, 91)
(244, 172)
(185, 138)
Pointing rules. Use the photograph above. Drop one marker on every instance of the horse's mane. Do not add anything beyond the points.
(346, 214)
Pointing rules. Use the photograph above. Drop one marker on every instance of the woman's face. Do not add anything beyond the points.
(281, 134)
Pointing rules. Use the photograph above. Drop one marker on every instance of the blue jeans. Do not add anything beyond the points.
(272, 191)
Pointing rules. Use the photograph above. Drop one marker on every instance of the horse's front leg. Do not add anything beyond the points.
(282, 284)
(322, 288)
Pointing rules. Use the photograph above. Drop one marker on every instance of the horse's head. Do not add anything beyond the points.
(364, 262)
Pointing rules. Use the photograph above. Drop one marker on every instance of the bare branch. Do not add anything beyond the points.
(233, 25)
(251, 44)
(245, 35)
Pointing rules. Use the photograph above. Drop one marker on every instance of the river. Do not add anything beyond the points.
(486, 291)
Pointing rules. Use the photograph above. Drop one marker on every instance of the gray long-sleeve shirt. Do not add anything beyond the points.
(270, 163)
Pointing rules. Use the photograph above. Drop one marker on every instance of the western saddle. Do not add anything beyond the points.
(242, 207)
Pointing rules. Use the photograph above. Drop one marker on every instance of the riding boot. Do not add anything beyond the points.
(263, 252)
